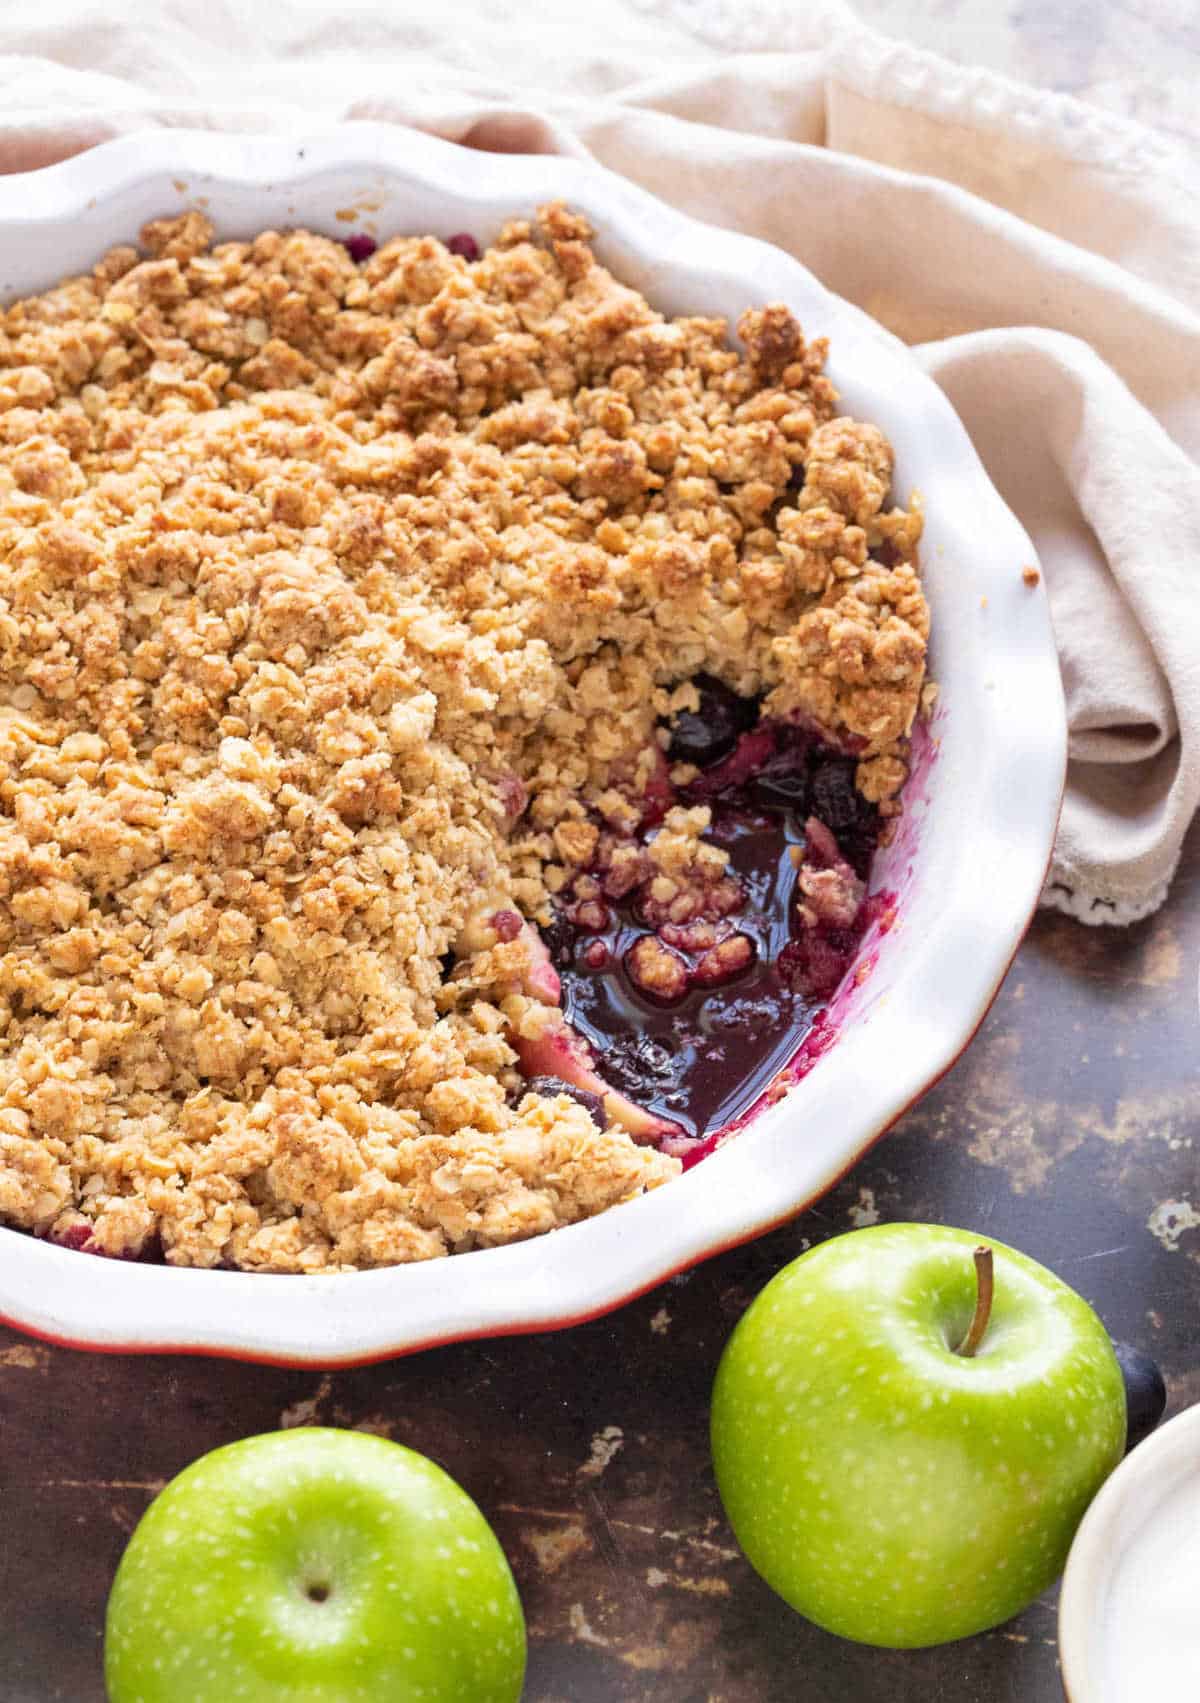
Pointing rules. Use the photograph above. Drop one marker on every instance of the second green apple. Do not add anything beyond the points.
(889, 1487)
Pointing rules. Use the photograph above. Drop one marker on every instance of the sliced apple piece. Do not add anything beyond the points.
(558, 1051)
(495, 923)
(555, 1050)
(541, 978)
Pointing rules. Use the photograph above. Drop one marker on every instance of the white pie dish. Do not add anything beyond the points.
(967, 865)
(1126, 1611)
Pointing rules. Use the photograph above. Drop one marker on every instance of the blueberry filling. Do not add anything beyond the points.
(706, 734)
(692, 1005)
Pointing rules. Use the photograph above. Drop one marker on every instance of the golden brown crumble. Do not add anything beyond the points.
(339, 605)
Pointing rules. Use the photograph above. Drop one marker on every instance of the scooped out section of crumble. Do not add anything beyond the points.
(694, 957)
(346, 615)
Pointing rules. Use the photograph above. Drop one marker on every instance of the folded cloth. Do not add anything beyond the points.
(1041, 257)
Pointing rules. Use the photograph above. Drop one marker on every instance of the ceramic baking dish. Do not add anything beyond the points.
(966, 867)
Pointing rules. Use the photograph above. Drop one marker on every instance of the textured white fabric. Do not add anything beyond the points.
(1042, 258)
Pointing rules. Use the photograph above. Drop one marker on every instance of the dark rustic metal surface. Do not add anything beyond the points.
(1069, 1129)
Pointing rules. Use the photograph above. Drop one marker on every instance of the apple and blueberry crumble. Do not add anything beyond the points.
(447, 710)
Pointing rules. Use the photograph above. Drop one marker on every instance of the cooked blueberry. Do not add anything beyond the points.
(704, 735)
(463, 244)
(559, 937)
(1145, 1393)
(549, 1086)
(360, 246)
(834, 798)
(813, 965)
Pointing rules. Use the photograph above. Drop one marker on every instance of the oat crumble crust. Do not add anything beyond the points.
(339, 604)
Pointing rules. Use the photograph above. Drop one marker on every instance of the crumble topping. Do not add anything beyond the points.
(339, 606)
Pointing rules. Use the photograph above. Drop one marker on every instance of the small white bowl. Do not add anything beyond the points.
(967, 865)
(1129, 1611)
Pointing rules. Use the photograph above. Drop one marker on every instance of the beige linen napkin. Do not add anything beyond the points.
(1042, 258)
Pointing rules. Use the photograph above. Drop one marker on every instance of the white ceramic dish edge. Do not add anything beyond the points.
(1125, 1503)
(968, 865)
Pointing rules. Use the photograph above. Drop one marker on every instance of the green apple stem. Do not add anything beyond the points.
(984, 1288)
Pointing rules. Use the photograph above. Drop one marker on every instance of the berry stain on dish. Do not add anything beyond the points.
(446, 808)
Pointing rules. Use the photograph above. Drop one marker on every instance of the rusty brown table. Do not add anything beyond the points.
(1068, 1128)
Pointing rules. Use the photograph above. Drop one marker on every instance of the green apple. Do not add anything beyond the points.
(890, 1486)
(314, 1566)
